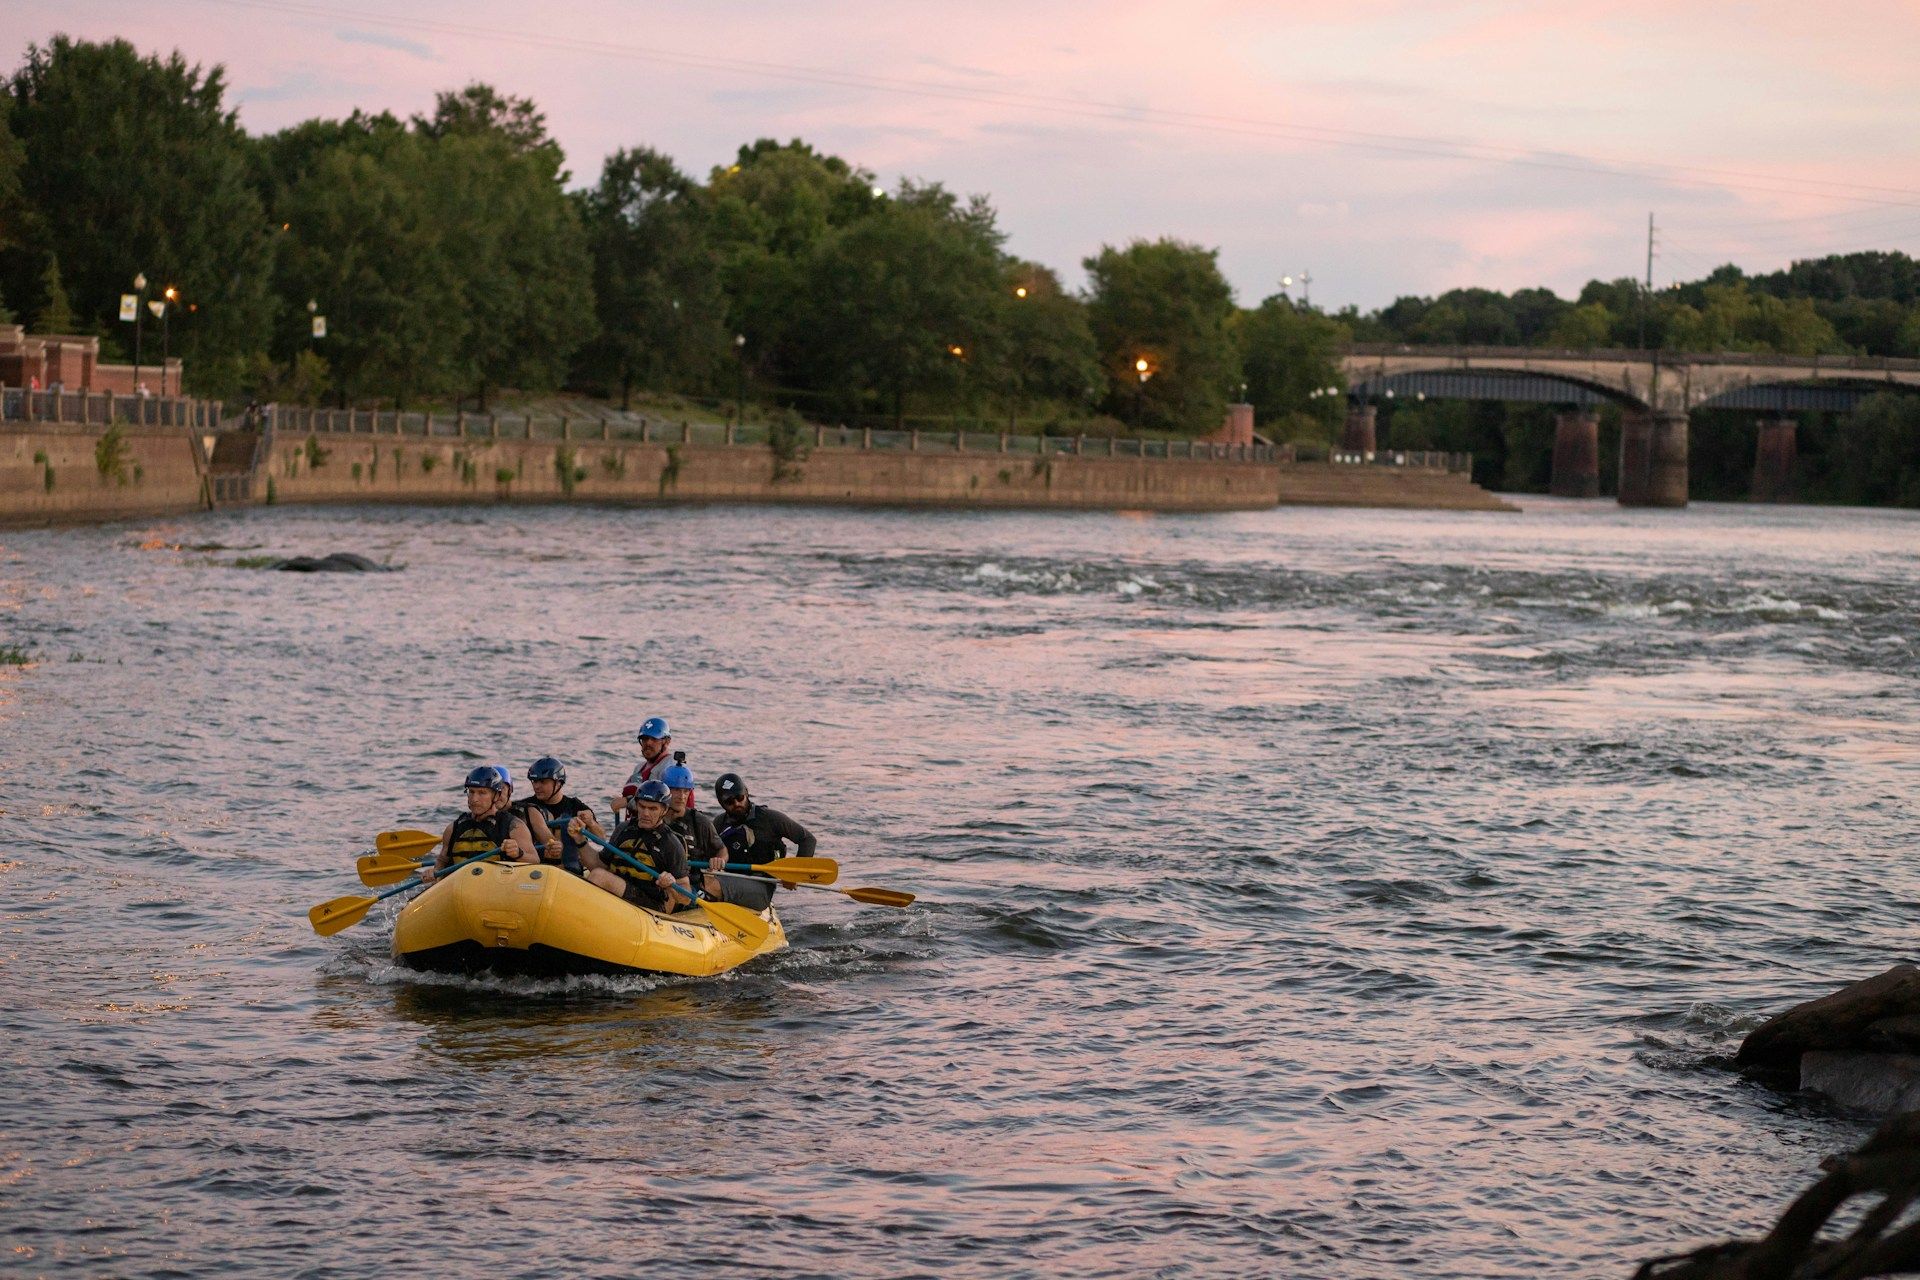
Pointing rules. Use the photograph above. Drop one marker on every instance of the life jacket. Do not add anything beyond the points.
(645, 845)
(557, 816)
(699, 836)
(473, 835)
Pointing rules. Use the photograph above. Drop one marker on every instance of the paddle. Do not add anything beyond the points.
(330, 918)
(378, 869)
(406, 844)
(743, 926)
(878, 897)
(794, 870)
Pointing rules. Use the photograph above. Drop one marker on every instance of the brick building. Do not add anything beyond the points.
(66, 362)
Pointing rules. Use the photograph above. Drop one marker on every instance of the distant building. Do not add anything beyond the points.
(67, 362)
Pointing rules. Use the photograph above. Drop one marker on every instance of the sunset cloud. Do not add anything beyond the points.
(1389, 147)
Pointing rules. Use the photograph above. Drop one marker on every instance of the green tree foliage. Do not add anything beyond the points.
(656, 277)
(903, 297)
(1290, 357)
(1164, 302)
(133, 164)
(772, 210)
(1038, 349)
(56, 311)
(365, 242)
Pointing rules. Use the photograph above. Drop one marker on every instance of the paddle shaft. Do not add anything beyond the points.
(892, 897)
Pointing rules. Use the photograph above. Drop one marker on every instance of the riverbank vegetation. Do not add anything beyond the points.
(454, 255)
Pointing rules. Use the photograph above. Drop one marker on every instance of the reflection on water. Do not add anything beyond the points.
(1302, 892)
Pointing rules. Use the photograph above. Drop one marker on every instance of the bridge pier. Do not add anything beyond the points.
(1653, 459)
(1774, 460)
(1357, 435)
(1576, 454)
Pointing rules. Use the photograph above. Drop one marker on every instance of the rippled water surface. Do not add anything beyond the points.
(1301, 893)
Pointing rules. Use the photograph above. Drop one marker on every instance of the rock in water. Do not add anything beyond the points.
(1881, 1083)
(338, 562)
(1884, 1174)
(1871, 1014)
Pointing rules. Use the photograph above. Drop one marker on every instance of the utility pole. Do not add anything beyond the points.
(1646, 293)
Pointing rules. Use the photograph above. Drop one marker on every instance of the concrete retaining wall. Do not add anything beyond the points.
(59, 474)
(348, 468)
(162, 472)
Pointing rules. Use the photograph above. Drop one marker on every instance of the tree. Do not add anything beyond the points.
(133, 164)
(1038, 345)
(366, 242)
(1582, 328)
(517, 257)
(1290, 356)
(656, 279)
(1166, 303)
(56, 312)
(902, 298)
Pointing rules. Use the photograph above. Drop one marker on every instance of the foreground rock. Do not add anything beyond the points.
(338, 562)
(1886, 1168)
(1858, 1046)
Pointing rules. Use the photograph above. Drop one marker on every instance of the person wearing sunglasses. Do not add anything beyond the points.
(769, 829)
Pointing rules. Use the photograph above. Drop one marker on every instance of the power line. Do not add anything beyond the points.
(1431, 148)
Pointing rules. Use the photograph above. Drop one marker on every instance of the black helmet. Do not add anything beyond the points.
(545, 768)
(728, 786)
(737, 839)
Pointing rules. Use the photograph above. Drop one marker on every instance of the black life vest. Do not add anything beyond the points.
(473, 835)
(557, 817)
(648, 846)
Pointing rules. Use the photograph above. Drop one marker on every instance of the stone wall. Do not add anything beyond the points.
(1325, 484)
(56, 474)
(367, 468)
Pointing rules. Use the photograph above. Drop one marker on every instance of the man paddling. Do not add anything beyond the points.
(488, 823)
(767, 832)
(646, 839)
(549, 813)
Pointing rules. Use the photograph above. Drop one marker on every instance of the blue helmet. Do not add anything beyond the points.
(545, 768)
(655, 728)
(678, 778)
(654, 791)
(490, 776)
(502, 778)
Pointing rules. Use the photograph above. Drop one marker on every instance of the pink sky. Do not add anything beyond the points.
(1388, 147)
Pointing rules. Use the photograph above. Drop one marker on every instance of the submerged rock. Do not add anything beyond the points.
(338, 562)
(1873, 1015)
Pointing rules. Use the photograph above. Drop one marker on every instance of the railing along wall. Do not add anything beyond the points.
(107, 408)
(495, 426)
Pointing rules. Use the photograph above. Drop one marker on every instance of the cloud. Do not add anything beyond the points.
(384, 40)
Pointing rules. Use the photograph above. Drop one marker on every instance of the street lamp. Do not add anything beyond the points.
(739, 378)
(139, 306)
(1141, 368)
(168, 297)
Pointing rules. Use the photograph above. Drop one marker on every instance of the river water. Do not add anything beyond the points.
(1304, 892)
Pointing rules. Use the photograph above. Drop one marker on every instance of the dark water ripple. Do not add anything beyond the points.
(1302, 893)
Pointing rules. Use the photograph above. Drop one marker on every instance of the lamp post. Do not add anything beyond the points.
(1141, 368)
(168, 297)
(739, 379)
(140, 306)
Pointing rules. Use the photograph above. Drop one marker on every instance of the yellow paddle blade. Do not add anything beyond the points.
(330, 918)
(879, 897)
(802, 870)
(406, 844)
(379, 869)
(743, 926)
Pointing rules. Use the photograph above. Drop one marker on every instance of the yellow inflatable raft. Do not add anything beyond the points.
(545, 922)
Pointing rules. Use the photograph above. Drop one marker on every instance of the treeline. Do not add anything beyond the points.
(452, 256)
